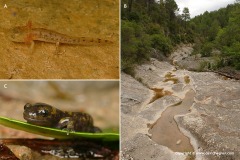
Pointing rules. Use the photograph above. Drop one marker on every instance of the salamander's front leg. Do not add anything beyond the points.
(32, 47)
(57, 50)
(66, 123)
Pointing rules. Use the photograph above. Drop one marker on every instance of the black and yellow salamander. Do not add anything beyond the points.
(46, 115)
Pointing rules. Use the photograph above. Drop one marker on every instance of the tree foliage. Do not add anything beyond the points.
(186, 14)
(220, 30)
(148, 24)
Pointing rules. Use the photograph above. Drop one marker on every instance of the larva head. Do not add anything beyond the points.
(18, 34)
(21, 34)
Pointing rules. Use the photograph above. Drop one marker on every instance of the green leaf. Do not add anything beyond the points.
(56, 133)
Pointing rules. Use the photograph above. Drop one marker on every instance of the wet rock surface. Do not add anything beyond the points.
(135, 141)
(214, 119)
(212, 124)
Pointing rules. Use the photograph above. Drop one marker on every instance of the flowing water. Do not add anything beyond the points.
(165, 130)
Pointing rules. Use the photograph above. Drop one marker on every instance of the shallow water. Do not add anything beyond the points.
(159, 93)
(79, 18)
(165, 130)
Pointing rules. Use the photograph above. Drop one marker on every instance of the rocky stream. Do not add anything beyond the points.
(169, 113)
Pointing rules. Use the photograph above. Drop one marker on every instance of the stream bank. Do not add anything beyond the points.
(182, 58)
(212, 122)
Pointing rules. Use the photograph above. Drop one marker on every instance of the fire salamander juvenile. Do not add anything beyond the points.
(45, 115)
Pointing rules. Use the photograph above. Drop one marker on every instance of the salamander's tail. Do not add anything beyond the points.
(94, 41)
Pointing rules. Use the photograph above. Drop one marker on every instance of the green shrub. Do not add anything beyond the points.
(154, 28)
(233, 55)
(135, 45)
(161, 43)
(206, 49)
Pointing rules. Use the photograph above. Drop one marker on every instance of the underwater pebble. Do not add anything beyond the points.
(178, 142)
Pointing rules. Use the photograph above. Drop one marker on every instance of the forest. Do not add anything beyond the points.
(153, 29)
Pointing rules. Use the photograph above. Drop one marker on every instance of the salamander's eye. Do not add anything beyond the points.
(43, 112)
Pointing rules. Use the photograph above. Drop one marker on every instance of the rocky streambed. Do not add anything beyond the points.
(169, 114)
